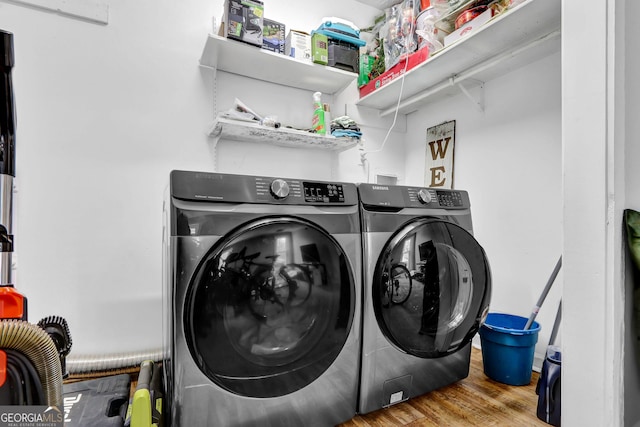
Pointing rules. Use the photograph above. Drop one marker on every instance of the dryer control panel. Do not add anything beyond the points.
(396, 196)
(217, 187)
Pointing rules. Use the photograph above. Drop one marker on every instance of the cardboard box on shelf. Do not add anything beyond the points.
(365, 66)
(320, 48)
(273, 34)
(243, 20)
(396, 71)
(298, 45)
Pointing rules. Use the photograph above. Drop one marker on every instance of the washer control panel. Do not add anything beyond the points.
(205, 186)
(275, 189)
(323, 192)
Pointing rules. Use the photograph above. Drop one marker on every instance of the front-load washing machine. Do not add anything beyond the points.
(426, 289)
(262, 300)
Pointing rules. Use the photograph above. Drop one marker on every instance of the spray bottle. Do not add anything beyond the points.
(318, 123)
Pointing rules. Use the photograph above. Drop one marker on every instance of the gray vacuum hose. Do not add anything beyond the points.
(38, 347)
(90, 366)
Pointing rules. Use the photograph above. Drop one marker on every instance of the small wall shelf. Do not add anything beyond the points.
(255, 132)
(379, 4)
(251, 61)
(528, 32)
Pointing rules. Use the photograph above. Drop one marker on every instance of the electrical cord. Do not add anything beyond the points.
(395, 115)
(35, 378)
(27, 388)
(25, 379)
(17, 397)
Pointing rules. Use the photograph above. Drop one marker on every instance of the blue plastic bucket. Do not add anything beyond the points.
(507, 348)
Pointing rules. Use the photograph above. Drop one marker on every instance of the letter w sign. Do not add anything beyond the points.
(439, 156)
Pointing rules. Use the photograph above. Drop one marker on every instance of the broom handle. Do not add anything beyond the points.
(545, 291)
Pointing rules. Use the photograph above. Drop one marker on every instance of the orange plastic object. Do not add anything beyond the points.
(11, 303)
(3, 367)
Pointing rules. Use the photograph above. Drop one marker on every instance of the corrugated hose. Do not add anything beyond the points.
(39, 348)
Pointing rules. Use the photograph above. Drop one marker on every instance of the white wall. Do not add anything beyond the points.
(632, 177)
(104, 113)
(593, 131)
(509, 160)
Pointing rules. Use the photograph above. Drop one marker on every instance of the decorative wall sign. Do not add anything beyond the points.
(439, 155)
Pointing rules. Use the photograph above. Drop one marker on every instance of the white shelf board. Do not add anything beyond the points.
(519, 36)
(96, 11)
(380, 4)
(254, 132)
(251, 61)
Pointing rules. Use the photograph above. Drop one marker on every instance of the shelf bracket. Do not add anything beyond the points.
(478, 102)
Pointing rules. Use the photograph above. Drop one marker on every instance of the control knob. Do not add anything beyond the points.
(424, 196)
(279, 189)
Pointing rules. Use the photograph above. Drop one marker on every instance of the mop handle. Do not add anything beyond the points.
(545, 291)
(556, 324)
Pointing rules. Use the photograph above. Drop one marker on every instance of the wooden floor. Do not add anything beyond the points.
(474, 401)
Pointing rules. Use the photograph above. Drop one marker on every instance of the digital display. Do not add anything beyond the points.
(323, 193)
(449, 198)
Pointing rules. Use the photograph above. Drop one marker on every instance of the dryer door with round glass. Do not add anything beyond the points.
(270, 307)
(431, 288)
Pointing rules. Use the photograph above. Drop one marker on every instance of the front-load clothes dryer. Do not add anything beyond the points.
(262, 300)
(426, 289)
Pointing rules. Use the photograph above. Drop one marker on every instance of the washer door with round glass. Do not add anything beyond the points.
(431, 288)
(270, 307)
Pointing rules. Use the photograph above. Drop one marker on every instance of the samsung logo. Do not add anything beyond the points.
(380, 187)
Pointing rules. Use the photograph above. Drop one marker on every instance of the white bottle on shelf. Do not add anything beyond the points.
(327, 118)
